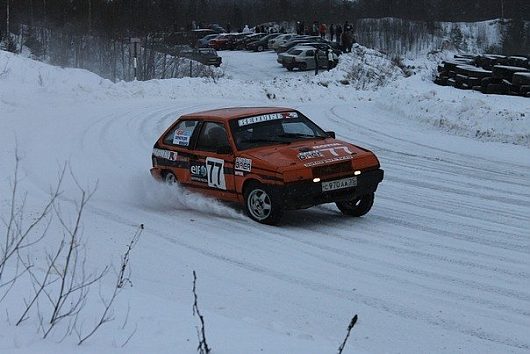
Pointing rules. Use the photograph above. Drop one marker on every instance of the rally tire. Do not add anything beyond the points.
(357, 207)
(261, 204)
(170, 178)
(303, 66)
(260, 48)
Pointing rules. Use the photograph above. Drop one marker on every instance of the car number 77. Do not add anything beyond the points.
(216, 177)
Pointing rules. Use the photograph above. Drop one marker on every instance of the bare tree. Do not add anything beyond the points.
(203, 347)
(123, 278)
(19, 236)
(350, 326)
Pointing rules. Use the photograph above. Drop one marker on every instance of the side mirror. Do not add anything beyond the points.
(224, 150)
(331, 134)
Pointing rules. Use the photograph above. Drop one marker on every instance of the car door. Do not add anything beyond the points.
(212, 163)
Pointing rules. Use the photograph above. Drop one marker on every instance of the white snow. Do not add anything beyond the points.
(440, 264)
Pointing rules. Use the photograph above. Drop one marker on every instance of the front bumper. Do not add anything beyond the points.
(305, 194)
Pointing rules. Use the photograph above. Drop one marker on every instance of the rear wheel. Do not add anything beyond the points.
(170, 178)
(261, 204)
(357, 207)
(260, 48)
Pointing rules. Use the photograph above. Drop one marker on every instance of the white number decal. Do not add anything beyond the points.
(216, 176)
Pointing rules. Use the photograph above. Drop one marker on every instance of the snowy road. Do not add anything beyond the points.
(441, 264)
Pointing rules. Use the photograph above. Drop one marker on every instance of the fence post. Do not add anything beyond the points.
(191, 68)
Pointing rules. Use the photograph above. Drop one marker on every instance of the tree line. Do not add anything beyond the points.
(142, 16)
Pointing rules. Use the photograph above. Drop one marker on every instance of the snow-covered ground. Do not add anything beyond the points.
(440, 265)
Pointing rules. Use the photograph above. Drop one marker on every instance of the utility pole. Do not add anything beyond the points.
(89, 16)
(502, 9)
(7, 19)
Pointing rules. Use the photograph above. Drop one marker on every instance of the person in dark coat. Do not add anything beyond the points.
(338, 32)
(316, 61)
(331, 32)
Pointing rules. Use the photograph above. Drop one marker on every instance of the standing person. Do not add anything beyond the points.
(338, 32)
(347, 37)
(323, 29)
(314, 29)
(331, 32)
(228, 27)
(331, 59)
(316, 61)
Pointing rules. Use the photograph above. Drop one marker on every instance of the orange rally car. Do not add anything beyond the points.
(269, 159)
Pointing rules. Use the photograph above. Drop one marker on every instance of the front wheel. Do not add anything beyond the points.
(261, 204)
(170, 179)
(260, 48)
(303, 66)
(357, 207)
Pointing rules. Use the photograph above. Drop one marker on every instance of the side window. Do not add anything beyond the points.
(212, 137)
(181, 134)
(310, 53)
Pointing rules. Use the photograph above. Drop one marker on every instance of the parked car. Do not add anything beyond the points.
(225, 41)
(324, 46)
(241, 43)
(268, 159)
(295, 42)
(262, 44)
(203, 42)
(206, 56)
(311, 41)
(282, 38)
(303, 58)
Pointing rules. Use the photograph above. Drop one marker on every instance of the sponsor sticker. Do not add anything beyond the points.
(198, 172)
(215, 173)
(166, 154)
(182, 137)
(326, 161)
(266, 117)
(309, 155)
(243, 164)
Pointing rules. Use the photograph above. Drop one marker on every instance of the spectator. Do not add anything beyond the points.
(331, 32)
(246, 30)
(228, 27)
(323, 29)
(316, 61)
(331, 59)
(314, 29)
(338, 32)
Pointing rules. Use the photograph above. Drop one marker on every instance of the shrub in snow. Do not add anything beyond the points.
(364, 69)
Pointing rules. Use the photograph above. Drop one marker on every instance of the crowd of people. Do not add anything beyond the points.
(342, 34)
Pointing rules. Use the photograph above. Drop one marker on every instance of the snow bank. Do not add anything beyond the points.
(465, 113)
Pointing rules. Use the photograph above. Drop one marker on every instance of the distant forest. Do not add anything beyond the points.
(142, 16)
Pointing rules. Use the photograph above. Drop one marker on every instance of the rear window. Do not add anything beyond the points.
(295, 51)
(181, 134)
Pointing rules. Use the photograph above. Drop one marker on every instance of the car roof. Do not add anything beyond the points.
(236, 112)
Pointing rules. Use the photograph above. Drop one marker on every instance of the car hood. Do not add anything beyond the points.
(305, 154)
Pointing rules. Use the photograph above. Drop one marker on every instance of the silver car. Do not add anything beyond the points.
(303, 58)
(281, 39)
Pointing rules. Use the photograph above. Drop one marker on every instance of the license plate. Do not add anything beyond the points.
(339, 184)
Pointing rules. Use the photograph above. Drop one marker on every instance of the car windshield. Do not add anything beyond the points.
(273, 129)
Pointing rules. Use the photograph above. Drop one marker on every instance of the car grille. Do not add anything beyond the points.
(327, 170)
